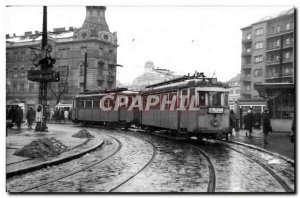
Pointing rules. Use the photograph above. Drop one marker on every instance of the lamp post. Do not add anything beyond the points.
(45, 74)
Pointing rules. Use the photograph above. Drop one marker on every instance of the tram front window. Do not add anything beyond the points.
(216, 99)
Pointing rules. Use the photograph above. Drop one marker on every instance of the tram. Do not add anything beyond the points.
(186, 106)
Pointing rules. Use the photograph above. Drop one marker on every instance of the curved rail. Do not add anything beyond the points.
(212, 174)
(143, 168)
(82, 169)
(275, 176)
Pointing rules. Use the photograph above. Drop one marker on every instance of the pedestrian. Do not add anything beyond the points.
(51, 114)
(266, 125)
(57, 116)
(62, 114)
(30, 117)
(257, 123)
(66, 115)
(13, 114)
(19, 116)
(70, 115)
(248, 120)
(232, 121)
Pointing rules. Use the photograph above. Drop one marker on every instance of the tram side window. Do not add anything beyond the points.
(202, 99)
(96, 103)
(184, 98)
(81, 104)
(88, 104)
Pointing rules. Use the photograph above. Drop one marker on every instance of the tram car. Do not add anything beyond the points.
(87, 108)
(186, 106)
(205, 113)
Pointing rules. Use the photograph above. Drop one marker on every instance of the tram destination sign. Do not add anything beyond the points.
(215, 110)
(43, 76)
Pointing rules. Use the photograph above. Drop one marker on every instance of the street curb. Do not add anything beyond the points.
(266, 151)
(60, 160)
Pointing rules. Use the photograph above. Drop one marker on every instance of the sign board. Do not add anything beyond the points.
(215, 110)
(43, 76)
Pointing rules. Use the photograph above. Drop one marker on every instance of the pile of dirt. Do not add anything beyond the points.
(83, 134)
(42, 148)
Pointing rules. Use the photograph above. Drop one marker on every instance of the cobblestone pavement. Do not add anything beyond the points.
(174, 167)
(235, 173)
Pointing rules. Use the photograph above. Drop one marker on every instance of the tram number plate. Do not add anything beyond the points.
(215, 110)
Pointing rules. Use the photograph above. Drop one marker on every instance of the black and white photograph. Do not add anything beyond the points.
(156, 98)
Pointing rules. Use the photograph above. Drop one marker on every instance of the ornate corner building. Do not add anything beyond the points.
(68, 48)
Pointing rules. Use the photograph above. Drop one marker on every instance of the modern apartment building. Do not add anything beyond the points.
(267, 52)
(68, 48)
(268, 63)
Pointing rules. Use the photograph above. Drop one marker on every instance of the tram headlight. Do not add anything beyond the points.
(214, 123)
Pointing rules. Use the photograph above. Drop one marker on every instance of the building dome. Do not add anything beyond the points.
(149, 65)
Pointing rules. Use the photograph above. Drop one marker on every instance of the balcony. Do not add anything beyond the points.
(246, 78)
(246, 66)
(276, 76)
(247, 41)
(277, 62)
(281, 33)
(246, 53)
(286, 46)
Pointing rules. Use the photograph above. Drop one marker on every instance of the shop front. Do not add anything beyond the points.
(280, 99)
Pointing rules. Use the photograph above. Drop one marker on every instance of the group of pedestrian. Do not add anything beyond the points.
(15, 114)
(252, 120)
(61, 115)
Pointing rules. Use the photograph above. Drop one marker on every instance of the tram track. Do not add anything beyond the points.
(120, 145)
(282, 183)
(212, 174)
(80, 170)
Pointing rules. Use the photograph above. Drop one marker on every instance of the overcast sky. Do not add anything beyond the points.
(178, 38)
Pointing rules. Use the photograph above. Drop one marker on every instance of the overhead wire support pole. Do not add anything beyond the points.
(85, 72)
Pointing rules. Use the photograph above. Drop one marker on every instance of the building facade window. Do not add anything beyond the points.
(287, 55)
(275, 29)
(259, 45)
(31, 88)
(276, 43)
(15, 88)
(83, 50)
(81, 70)
(64, 71)
(259, 32)
(288, 26)
(258, 72)
(101, 51)
(22, 88)
(287, 70)
(248, 36)
(258, 59)
(287, 41)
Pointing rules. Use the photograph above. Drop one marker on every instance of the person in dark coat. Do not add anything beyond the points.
(13, 114)
(30, 116)
(232, 121)
(257, 120)
(19, 116)
(266, 126)
(248, 120)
